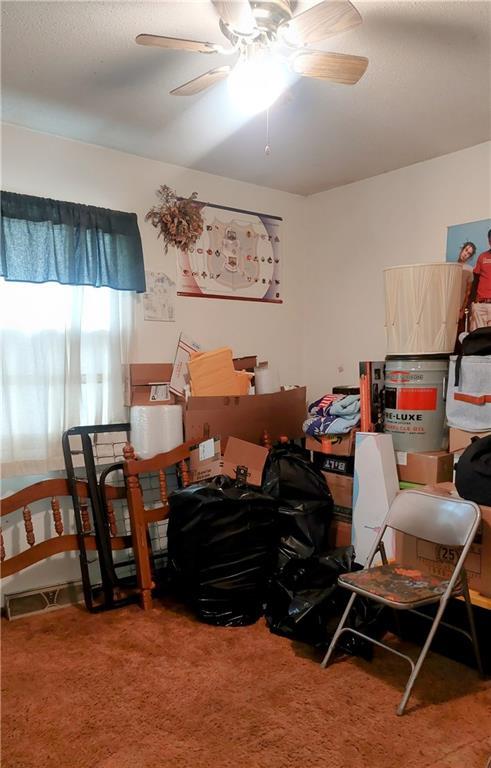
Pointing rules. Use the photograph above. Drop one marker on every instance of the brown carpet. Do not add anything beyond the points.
(129, 689)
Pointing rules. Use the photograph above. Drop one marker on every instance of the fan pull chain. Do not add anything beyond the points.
(267, 148)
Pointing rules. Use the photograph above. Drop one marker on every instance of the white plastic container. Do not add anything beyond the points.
(155, 429)
(266, 380)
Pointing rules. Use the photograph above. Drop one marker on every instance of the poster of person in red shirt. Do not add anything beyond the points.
(470, 245)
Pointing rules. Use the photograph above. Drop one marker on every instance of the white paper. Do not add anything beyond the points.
(159, 300)
(401, 458)
(159, 392)
(207, 449)
(179, 377)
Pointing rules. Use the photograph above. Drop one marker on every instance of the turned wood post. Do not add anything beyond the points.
(55, 507)
(140, 540)
(129, 452)
(111, 519)
(163, 487)
(184, 473)
(26, 513)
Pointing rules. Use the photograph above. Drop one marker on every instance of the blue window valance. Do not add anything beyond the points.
(47, 240)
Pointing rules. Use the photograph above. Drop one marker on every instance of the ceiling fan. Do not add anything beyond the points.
(258, 31)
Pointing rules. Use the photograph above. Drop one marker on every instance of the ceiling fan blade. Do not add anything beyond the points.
(237, 14)
(337, 67)
(202, 82)
(323, 20)
(177, 43)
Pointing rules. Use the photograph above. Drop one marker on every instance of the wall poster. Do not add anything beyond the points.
(236, 257)
(470, 245)
(466, 241)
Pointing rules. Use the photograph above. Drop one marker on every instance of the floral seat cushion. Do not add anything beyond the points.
(396, 583)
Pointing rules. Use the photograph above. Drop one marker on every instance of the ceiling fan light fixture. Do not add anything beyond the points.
(261, 13)
(256, 82)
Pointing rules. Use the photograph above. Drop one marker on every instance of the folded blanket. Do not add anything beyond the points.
(329, 425)
(333, 415)
(321, 407)
(347, 407)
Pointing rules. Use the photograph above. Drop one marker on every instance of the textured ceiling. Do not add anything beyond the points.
(73, 69)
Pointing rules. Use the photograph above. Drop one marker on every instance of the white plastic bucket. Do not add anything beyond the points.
(422, 304)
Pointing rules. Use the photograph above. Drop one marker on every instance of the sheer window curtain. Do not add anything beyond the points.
(62, 351)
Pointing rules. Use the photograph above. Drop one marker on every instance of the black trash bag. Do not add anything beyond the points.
(473, 471)
(301, 488)
(305, 603)
(222, 543)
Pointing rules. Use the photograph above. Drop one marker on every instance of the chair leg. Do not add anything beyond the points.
(139, 536)
(470, 615)
(335, 637)
(414, 674)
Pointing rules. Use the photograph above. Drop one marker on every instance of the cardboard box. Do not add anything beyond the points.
(341, 487)
(340, 445)
(147, 384)
(425, 467)
(205, 460)
(240, 453)
(247, 417)
(374, 489)
(245, 363)
(437, 560)
(342, 465)
(460, 439)
(339, 534)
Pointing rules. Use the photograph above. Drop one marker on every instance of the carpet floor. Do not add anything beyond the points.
(129, 689)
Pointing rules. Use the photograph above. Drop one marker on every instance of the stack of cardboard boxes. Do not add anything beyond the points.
(334, 455)
(433, 471)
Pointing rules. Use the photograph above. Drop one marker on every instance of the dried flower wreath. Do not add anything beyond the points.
(178, 219)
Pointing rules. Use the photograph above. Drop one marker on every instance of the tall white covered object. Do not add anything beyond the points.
(422, 304)
(374, 489)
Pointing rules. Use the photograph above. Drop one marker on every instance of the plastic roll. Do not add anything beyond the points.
(155, 429)
(265, 381)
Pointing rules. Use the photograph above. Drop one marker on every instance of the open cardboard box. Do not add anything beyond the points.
(339, 445)
(247, 417)
(206, 462)
(149, 383)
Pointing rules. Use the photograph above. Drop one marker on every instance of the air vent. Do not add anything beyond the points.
(43, 600)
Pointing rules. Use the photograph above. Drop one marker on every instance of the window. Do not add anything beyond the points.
(62, 348)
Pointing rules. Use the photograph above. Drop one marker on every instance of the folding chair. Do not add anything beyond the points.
(443, 520)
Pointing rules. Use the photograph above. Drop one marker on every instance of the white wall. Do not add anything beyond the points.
(356, 230)
(40, 164)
